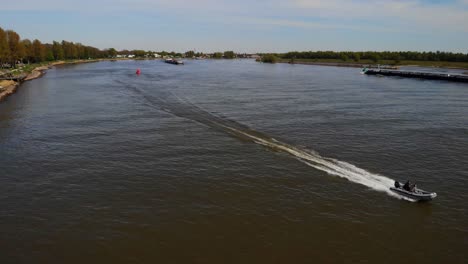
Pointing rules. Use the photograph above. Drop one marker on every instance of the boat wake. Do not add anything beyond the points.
(182, 107)
(331, 166)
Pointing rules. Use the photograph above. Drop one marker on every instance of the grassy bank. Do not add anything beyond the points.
(439, 64)
(30, 68)
(33, 71)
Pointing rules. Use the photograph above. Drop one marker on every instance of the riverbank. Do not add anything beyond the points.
(9, 87)
(340, 64)
(367, 63)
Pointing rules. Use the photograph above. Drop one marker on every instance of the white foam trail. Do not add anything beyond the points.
(331, 166)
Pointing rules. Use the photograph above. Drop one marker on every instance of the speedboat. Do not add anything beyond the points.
(416, 194)
(173, 61)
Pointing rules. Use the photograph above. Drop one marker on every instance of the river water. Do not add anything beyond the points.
(231, 162)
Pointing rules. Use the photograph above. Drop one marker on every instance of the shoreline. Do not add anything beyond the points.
(8, 90)
(344, 64)
(371, 65)
(13, 86)
(38, 72)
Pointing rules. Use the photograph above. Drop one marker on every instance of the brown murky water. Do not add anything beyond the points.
(231, 162)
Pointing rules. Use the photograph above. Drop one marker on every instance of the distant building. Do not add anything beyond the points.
(247, 56)
(131, 56)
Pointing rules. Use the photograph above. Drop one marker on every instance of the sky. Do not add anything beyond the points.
(244, 25)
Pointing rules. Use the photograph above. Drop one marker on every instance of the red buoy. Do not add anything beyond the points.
(138, 71)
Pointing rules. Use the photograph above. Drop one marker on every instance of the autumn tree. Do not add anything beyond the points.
(57, 50)
(79, 50)
(139, 53)
(69, 50)
(49, 53)
(38, 51)
(112, 52)
(189, 54)
(28, 50)
(4, 48)
(16, 49)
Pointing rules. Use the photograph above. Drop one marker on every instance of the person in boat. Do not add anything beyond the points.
(407, 186)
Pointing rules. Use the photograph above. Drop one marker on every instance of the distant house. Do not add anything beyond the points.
(120, 56)
(254, 56)
(156, 55)
(131, 56)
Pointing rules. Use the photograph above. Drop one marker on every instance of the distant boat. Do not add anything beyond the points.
(173, 61)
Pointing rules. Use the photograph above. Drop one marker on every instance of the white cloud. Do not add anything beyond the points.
(103, 5)
(387, 14)
(411, 12)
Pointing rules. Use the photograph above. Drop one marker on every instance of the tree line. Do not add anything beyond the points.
(375, 56)
(14, 50)
(216, 55)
